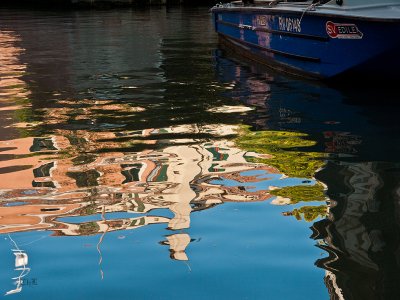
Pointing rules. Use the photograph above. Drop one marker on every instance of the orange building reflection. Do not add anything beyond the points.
(51, 183)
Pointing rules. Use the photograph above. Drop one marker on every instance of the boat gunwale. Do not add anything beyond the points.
(281, 10)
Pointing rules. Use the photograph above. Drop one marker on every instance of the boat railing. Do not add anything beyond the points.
(266, 3)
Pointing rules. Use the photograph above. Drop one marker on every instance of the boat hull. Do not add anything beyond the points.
(313, 45)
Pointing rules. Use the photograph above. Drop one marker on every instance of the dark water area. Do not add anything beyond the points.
(138, 160)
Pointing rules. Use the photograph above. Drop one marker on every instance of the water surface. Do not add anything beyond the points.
(139, 160)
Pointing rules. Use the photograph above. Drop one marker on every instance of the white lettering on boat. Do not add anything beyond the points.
(289, 24)
(343, 31)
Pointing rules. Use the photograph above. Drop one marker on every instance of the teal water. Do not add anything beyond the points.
(138, 160)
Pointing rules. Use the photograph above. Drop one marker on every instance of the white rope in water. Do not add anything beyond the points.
(15, 244)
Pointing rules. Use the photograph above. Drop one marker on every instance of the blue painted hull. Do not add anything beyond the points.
(318, 46)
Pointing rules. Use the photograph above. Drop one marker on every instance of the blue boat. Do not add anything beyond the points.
(332, 39)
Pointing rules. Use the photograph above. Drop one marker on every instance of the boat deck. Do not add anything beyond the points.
(379, 11)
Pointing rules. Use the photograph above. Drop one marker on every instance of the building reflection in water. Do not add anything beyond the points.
(88, 171)
(182, 178)
(80, 172)
(89, 168)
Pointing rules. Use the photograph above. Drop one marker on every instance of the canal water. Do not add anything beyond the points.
(138, 160)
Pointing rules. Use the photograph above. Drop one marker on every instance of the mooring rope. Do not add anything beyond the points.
(311, 7)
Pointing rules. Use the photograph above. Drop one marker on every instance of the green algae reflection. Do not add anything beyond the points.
(308, 213)
(281, 150)
(282, 146)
